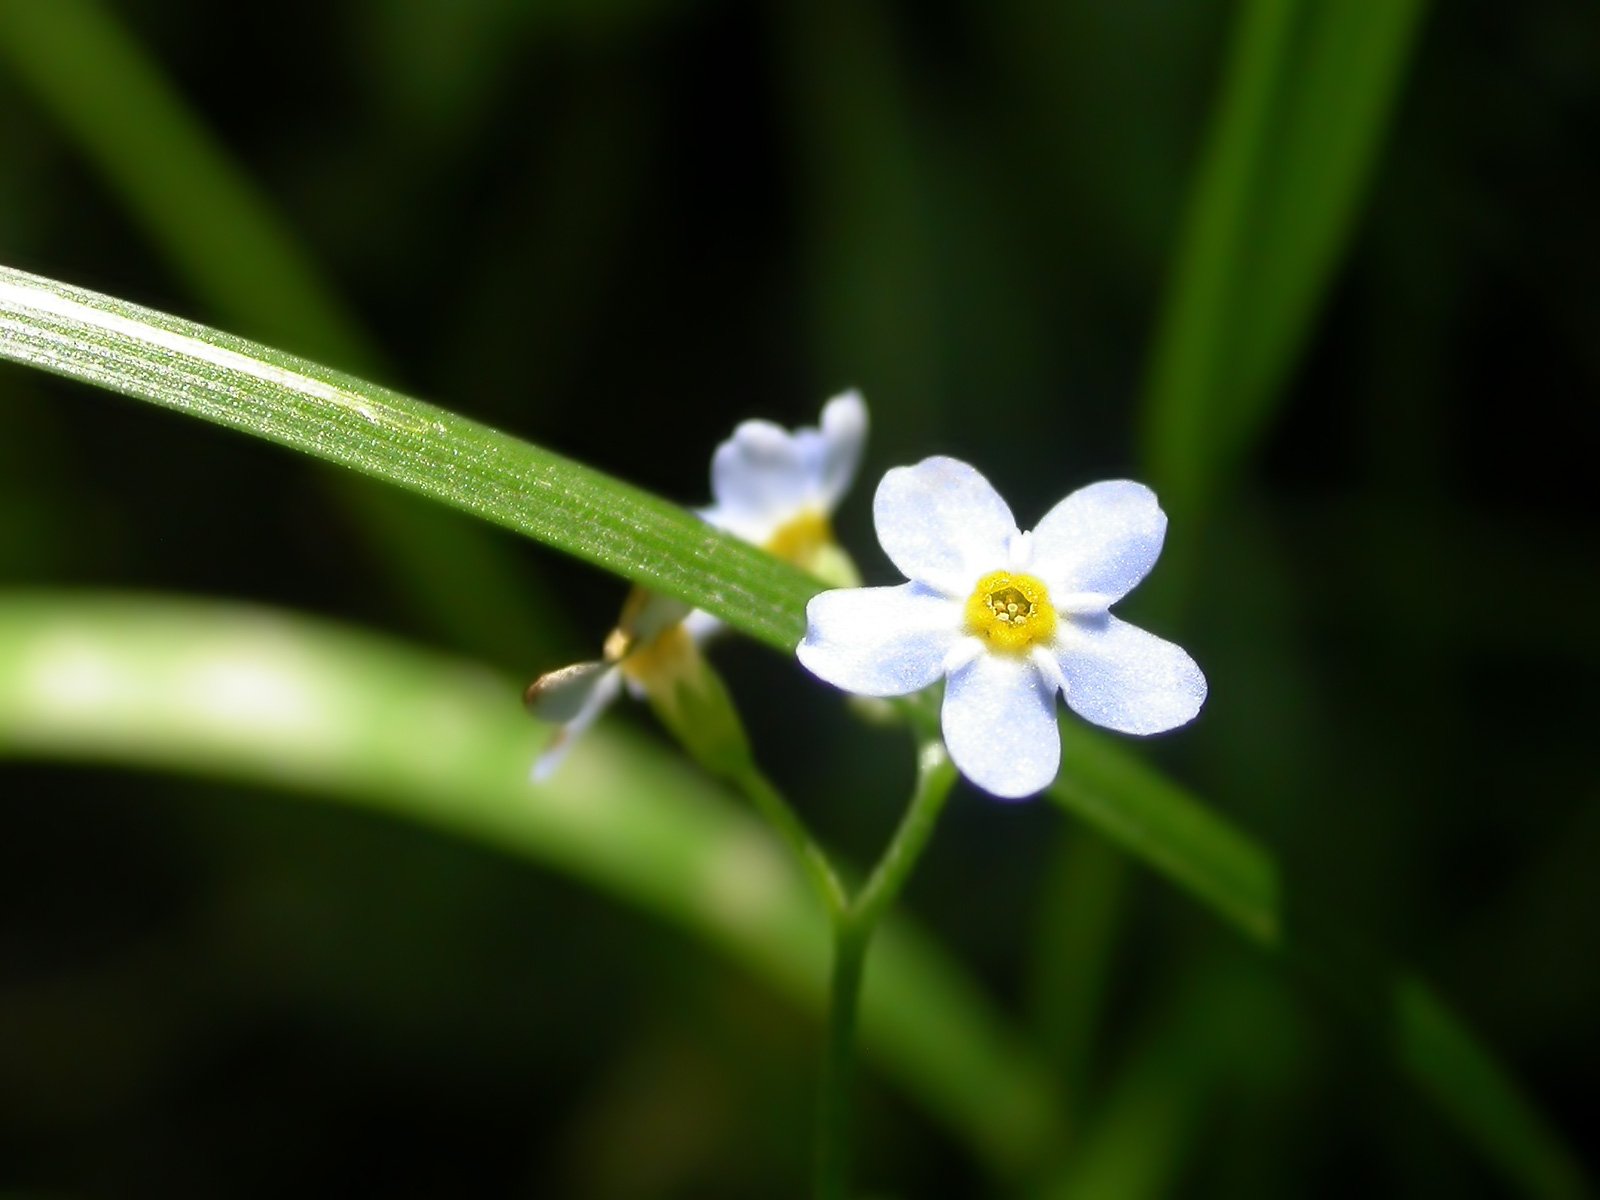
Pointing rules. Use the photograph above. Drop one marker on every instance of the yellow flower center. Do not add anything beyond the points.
(800, 540)
(1011, 611)
(670, 654)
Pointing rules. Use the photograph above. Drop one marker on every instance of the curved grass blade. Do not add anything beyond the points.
(421, 447)
(1196, 326)
(1309, 93)
(266, 697)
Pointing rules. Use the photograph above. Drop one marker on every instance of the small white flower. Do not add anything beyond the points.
(1008, 619)
(772, 487)
(779, 489)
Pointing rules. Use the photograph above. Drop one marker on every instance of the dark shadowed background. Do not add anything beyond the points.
(618, 227)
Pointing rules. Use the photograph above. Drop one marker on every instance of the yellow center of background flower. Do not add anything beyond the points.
(1011, 611)
(799, 541)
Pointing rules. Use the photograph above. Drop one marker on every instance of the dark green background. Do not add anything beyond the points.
(617, 228)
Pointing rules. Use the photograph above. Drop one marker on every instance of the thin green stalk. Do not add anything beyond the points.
(934, 777)
(835, 1130)
(853, 927)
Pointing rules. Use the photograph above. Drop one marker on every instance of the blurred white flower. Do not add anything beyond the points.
(1008, 619)
(772, 487)
(779, 489)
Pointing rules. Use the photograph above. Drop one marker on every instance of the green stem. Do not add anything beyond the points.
(835, 1140)
(853, 927)
(934, 777)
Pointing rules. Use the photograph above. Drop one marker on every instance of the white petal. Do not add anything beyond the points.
(700, 625)
(942, 524)
(844, 435)
(999, 724)
(886, 641)
(1103, 538)
(646, 615)
(559, 696)
(576, 696)
(759, 479)
(1125, 679)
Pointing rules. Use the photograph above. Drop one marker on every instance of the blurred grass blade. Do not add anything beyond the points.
(419, 446)
(268, 698)
(1187, 362)
(1338, 104)
(1161, 823)
(222, 235)
(1307, 96)
(1160, 1097)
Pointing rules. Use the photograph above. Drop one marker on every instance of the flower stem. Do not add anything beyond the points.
(853, 926)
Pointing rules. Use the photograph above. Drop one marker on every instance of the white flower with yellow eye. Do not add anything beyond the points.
(771, 487)
(779, 489)
(1008, 619)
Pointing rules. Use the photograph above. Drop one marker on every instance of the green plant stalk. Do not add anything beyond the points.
(853, 929)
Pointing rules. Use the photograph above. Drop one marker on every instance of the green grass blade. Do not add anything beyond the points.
(1308, 95)
(1339, 105)
(423, 448)
(268, 698)
(1159, 822)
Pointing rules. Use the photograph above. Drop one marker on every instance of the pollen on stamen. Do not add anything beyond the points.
(1011, 611)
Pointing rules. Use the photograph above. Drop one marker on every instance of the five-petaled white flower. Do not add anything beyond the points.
(1008, 619)
(772, 487)
(779, 489)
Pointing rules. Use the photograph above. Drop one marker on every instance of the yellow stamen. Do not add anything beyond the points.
(670, 654)
(1011, 611)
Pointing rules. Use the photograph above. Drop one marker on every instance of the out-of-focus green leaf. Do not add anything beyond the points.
(269, 698)
(1156, 820)
(1307, 96)
(426, 449)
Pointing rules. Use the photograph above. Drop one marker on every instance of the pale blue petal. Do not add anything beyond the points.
(573, 696)
(1102, 539)
(700, 625)
(942, 524)
(844, 434)
(759, 479)
(999, 724)
(1125, 679)
(886, 641)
